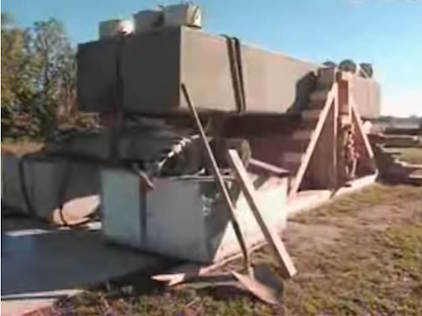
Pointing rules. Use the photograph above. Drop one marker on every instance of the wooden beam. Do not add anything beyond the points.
(356, 120)
(268, 168)
(218, 177)
(332, 95)
(274, 241)
(321, 172)
(335, 140)
(359, 124)
(189, 271)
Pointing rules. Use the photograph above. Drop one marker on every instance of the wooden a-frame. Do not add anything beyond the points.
(319, 164)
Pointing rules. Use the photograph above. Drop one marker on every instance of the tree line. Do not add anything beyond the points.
(38, 85)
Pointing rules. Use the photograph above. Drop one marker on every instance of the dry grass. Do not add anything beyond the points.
(374, 267)
(360, 255)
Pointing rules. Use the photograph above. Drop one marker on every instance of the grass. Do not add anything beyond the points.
(374, 268)
(377, 274)
(365, 258)
(369, 197)
(411, 155)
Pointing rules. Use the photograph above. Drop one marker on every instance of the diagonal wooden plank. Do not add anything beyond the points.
(321, 172)
(331, 99)
(357, 121)
(218, 177)
(356, 117)
(270, 235)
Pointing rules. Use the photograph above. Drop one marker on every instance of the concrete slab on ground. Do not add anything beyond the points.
(41, 264)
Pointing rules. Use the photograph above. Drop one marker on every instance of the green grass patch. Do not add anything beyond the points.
(411, 155)
(381, 276)
(376, 194)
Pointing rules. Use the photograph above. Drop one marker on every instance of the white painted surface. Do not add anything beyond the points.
(111, 28)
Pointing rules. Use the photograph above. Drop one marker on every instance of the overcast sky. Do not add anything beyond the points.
(386, 33)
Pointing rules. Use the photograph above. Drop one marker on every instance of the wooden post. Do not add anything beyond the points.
(219, 179)
(335, 144)
(344, 85)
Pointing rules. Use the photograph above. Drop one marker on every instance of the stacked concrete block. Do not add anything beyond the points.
(191, 222)
(153, 64)
(39, 185)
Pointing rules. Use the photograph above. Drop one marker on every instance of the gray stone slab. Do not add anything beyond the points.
(40, 264)
(154, 64)
(97, 75)
(46, 181)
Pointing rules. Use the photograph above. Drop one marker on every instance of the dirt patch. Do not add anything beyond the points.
(360, 255)
(374, 267)
(311, 237)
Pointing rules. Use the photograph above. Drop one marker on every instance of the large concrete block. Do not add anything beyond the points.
(275, 83)
(97, 75)
(47, 181)
(154, 64)
(183, 218)
(147, 143)
(151, 71)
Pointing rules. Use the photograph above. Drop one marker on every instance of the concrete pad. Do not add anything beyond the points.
(310, 199)
(40, 264)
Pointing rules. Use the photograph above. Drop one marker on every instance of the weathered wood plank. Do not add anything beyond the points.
(330, 101)
(218, 177)
(270, 235)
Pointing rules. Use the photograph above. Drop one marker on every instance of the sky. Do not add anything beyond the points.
(386, 33)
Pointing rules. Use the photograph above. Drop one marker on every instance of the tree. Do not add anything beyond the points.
(38, 76)
(57, 71)
(18, 69)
